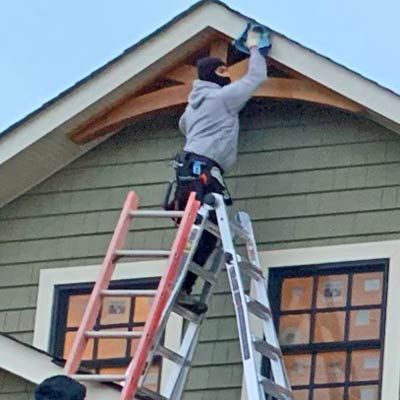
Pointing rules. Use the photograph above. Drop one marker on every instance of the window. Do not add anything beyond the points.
(105, 356)
(78, 282)
(330, 321)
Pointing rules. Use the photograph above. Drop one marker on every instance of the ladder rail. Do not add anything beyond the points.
(164, 291)
(195, 236)
(239, 300)
(102, 282)
(257, 334)
(178, 376)
(259, 288)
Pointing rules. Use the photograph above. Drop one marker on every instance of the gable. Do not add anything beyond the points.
(40, 145)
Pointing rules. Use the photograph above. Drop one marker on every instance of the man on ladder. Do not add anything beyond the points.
(211, 126)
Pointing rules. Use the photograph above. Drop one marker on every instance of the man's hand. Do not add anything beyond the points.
(253, 39)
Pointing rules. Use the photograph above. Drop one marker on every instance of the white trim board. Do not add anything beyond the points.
(357, 252)
(49, 278)
(34, 366)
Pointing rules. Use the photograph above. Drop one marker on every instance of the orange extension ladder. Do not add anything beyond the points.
(188, 232)
(256, 341)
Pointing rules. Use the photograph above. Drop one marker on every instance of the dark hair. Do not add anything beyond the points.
(60, 387)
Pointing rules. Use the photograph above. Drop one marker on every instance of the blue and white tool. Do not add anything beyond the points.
(264, 43)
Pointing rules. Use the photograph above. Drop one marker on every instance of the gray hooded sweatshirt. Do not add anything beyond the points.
(211, 119)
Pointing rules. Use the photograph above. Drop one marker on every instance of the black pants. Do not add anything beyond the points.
(207, 241)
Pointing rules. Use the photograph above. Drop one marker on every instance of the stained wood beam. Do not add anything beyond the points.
(219, 48)
(184, 74)
(274, 88)
(239, 69)
(130, 110)
(305, 90)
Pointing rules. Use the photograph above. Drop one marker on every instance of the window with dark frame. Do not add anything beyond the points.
(331, 324)
(105, 356)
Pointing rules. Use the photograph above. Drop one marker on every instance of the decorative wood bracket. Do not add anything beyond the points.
(294, 88)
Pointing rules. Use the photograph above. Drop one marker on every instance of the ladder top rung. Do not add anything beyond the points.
(113, 334)
(128, 293)
(143, 253)
(156, 214)
(99, 378)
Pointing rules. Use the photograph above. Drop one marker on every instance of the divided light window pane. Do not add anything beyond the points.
(117, 313)
(330, 322)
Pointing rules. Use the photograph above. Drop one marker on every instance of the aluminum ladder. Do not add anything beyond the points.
(194, 221)
(254, 319)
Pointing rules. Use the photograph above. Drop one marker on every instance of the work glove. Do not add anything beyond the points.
(253, 39)
(254, 36)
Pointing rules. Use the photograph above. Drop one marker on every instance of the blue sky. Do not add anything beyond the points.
(48, 45)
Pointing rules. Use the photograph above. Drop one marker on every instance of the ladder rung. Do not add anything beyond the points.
(143, 253)
(170, 355)
(258, 309)
(203, 273)
(99, 378)
(275, 390)
(147, 394)
(114, 334)
(156, 214)
(250, 269)
(128, 293)
(185, 313)
(267, 349)
(212, 228)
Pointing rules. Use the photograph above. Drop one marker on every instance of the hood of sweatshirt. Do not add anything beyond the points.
(200, 91)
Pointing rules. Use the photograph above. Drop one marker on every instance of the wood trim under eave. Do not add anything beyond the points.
(274, 88)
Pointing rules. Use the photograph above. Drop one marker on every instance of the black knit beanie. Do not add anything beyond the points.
(206, 71)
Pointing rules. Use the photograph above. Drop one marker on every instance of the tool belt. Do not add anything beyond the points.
(199, 172)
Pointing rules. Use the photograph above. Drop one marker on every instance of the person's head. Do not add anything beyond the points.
(60, 387)
(213, 69)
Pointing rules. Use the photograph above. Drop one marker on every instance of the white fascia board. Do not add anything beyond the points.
(316, 67)
(336, 77)
(34, 366)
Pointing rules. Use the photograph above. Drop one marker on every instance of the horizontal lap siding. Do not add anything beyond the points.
(308, 176)
(14, 388)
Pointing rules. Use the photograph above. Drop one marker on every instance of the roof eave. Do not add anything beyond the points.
(34, 366)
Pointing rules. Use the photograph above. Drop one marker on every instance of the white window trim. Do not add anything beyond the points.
(50, 278)
(357, 252)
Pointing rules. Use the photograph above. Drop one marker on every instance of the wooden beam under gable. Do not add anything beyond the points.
(273, 88)
(184, 74)
(133, 108)
(219, 48)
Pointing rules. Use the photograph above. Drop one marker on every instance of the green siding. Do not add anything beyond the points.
(14, 388)
(308, 176)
